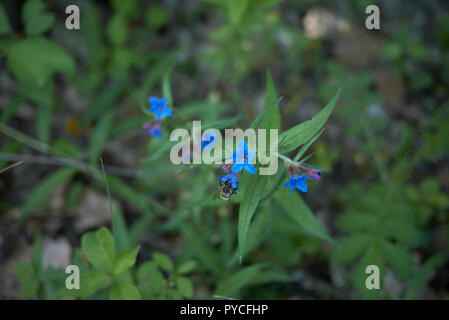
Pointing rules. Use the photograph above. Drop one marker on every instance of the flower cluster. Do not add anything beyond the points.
(161, 110)
(299, 181)
(241, 158)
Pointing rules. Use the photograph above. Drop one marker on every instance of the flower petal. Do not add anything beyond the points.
(250, 168)
(167, 111)
(301, 185)
(292, 187)
(153, 100)
(236, 168)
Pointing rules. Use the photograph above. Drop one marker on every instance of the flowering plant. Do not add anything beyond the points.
(242, 180)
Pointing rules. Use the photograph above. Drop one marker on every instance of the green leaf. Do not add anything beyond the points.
(256, 234)
(151, 280)
(44, 122)
(99, 137)
(129, 8)
(41, 193)
(221, 124)
(403, 231)
(276, 182)
(351, 247)
(65, 148)
(303, 132)
(163, 261)
(270, 117)
(231, 285)
(37, 253)
(307, 145)
(156, 16)
(273, 118)
(11, 107)
(264, 114)
(92, 31)
(117, 30)
(252, 195)
(127, 126)
(38, 94)
(155, 73)
(184, 286)
(236, 10)
(35, 60)
(74, 194)
(140, 226)
(25, 274)
(128, 193)
(204, 252)
(4, 23)
(125, 291)
(354, 221)
(298, 210)
(111, 209)
(39, 24)
(166, 89)
(89, 284)
(32, 8)
(269, 276)
(187, 267)
(123, 240)
(422, 275)
(125, 259)
(399, 257)
(99, 249)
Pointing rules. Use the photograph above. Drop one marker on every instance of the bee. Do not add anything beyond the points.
(226, 190)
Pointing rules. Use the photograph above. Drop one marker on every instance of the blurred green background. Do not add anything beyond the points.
(69, 97)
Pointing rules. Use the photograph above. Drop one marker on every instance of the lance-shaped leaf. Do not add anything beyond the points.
(298, 210)
(303, 132)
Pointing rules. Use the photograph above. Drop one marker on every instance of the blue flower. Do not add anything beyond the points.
(155, 131)
(241, 158)
(314, 174)
(159, 107)
(297, 182)
(231, 177)
(208, 139)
